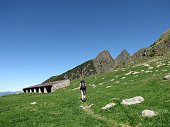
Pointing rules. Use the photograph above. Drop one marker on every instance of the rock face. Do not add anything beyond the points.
(123, 59)
(148, 113)
(108, 106)
(104, 62)
(132, 101)
(167, 77)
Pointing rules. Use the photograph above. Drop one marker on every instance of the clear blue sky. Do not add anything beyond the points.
(42, 38)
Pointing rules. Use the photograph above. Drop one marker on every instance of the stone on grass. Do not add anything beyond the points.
(146, 65)
(33, 103)
(167, 77)
(108, 106)
(93, 85)
(148, 71)
(112, 80)
(129, 73)
(108, 86)
(150, 68)
(117, 82)
(134, 73)
(132, 101)
(148, 113)
(101, 83)
(164, 70)
(123, 77)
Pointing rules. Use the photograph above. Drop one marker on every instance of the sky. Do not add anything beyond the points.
(43, 38)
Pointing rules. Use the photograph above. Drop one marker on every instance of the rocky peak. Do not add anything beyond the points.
(123, 59)
(104, 62)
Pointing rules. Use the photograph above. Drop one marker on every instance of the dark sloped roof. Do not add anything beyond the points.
(43, 85)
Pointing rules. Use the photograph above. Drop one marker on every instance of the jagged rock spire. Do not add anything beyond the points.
(104, 62)
(123, 59)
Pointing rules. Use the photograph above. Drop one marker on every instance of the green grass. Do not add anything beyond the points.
(61, 108)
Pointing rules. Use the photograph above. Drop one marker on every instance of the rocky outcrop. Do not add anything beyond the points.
(104, 62)
(123, 59)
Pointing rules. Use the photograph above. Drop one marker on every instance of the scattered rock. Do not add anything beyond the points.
(117, 82)
(148, 71)
(82, 107)
(93, 85)
(150, 68)
(33, 103)
(159, 65)
(125, 83)
(167, 77)
(142, 70)
(134, 73)
(164, 70)
(132, 101)
(123, 77)
(129, 73)
(108, 106)
(146, 65)
(103, 78)
(112, 80)
(148, 113)
(101, 83)
(108, 86)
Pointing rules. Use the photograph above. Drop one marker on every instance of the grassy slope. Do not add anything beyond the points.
(62, 109)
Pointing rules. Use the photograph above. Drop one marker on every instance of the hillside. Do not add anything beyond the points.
(158, 48)
(104, 61)
(62, 108)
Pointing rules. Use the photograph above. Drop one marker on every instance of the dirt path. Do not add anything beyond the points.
(110, 122)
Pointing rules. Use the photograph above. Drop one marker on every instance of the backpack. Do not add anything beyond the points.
(83, 85)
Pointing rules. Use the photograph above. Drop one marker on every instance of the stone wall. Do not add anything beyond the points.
(60, 84)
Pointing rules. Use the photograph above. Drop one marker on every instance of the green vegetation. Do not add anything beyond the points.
(81, 71)
(62, 108)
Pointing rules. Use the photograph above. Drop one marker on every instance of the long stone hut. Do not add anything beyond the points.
(47, 87)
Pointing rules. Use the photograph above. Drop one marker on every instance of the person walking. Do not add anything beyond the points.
(83, 90)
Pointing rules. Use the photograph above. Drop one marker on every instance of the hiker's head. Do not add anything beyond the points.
(82, 81)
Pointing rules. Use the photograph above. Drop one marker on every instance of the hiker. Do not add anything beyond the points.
(83, 90)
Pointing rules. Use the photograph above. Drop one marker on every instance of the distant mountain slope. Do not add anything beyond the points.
(104, 61)
(158, 48)
(84, 70)
(8, 93)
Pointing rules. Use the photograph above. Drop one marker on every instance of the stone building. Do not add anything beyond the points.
(47, 87)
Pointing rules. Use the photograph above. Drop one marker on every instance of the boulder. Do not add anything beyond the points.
(108, 86)
(33, 103)
(132, 101)
(148, 113)
(108, 106)
(167, 77)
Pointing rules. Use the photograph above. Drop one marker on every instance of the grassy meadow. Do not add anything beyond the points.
(62, 108)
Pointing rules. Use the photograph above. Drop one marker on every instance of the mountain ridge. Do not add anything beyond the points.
(104, 62)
